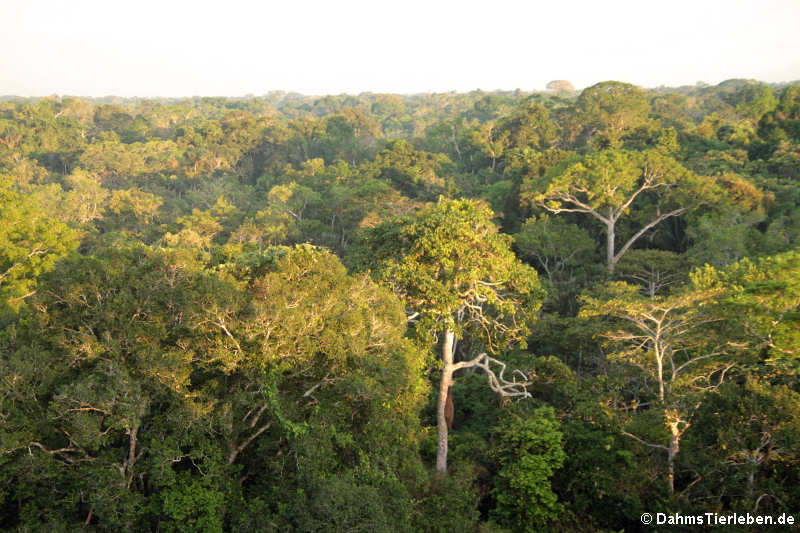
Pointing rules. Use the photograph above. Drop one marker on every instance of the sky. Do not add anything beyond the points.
(238, 47)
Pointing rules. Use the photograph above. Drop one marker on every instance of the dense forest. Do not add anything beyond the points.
(491, 312)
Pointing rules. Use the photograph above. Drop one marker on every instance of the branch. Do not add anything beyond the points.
(692, 360)
(640, 441)
(20, 298)
(468, 364)
(222, 326)
(324, 380)
(580, 207)
(646, 186)
(35, 251)
(257, 417)
(645, 229)
(692, 484)
(758, 501)
(238, 449)
(61, 452)
(94, 409)
(497, 381)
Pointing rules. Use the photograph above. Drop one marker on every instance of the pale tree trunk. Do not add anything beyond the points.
(455, 142)
(444, 388)
(497, 382)
(673, 422)
(610, 236)
(660, 369)
(672, 452)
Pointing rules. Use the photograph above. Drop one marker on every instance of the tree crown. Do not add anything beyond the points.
(457, 272)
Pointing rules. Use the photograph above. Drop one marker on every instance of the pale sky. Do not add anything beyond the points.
(237, 47)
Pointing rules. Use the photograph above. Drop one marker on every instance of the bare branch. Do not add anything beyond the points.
(676, 371)
(497, 381)
(650, 444)
(238, 449)
(62, 453)
(324, 380)
(642, 231)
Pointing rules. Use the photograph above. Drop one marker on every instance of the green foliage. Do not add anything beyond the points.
(611, 109)
(530, 127)
(657, 271)
(173, 359)
(760, 302)
(31, 242)
(606, 180)
(415, 173)
(747, 434)
(783, 123)
(191, 507)
(613, 185)
(560, 251)
(449, 504)
(722, 239)
(347, 504)
(528, 450)
(590, 478)
(450, 261)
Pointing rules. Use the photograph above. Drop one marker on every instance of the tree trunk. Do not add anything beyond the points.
(449, 409)
(444, 390)
(674, 448)
(455, 142)
(610, 235)
(127, 466)
(660, 369)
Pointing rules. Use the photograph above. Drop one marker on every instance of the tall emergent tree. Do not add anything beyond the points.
(669, 340)
(607, 184)
(460, 279)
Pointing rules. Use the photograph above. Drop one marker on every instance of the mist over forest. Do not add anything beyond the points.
(495, 312)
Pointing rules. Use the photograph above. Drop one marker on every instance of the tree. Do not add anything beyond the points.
(85, 200)
(783, 123)
(100, 360)
(140, 382)
(607, 185)
(668, 340)
(490, 141)
(655, 270)
(561, 87)
(529, 127)
(611, 109)
(317, 331)
(314, 366)
(415, 173)
(761, 304)
(30, 244)
(135, 207)
(529, 450)
(561, 251)
(459, 279)
(744, 449)
(555, 246)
